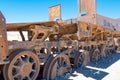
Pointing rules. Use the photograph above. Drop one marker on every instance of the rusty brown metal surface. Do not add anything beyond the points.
(88, 7)
(68, 29)
(3, 38)
(24, 26)
(54, 12)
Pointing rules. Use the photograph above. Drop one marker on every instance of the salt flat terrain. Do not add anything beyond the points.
(105, 69)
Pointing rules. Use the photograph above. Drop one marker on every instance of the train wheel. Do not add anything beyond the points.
(79, 59)
(112, 49)
(103, 52)
(107, 51)
(95, 55)
(56, 66)
(24, 65)
(118, 49)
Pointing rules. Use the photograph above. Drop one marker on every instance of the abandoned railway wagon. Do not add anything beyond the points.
(52, 48)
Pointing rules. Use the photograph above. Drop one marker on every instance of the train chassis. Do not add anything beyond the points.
(55, 57)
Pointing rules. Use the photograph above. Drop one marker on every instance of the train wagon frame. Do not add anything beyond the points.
(52, 48)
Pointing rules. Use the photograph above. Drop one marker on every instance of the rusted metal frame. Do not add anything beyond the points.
(17, 44)
(35, 35)
(48, 45)
(74, 45)
(84, 28)
(79, 31)
(98, 34)
(83, 44)
(87, 43)
(3, 40)
(23, 26)
(98, 31)
(116, 33)
(22, 35)
(113, 40)
(59, 44)
(37, 31)
(112, 36)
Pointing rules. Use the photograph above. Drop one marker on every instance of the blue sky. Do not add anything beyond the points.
(37, 10)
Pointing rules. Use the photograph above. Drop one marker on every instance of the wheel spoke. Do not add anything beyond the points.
(16, 67)
(81, 58)
(32, 73)
(27, 58)
(33, 70)
(19, 77)
(55, 70)
(28, 78)
(16, 75)
(61, 61)
(65, 69)
(22, 78)
(80, 61)
(95, 55)
(58, 66)
(21, 61)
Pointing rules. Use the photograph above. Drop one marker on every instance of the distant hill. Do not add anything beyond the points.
(118, 19)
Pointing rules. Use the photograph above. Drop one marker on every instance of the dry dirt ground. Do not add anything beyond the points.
(105, 69)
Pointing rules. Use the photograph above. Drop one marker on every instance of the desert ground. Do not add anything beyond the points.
(105, 69)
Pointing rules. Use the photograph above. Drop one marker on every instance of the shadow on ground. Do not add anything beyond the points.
(95, 74)
(103, 63)
(106, 61)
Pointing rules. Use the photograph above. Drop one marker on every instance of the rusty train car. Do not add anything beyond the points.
(53, 48)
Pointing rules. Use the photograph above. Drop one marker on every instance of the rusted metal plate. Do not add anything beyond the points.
(87, 11)
(88, 6)
(3, 38)
(84, 30)
(54, 12)
(68, 29)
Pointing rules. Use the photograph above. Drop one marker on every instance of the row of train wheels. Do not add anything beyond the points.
(25, 64)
